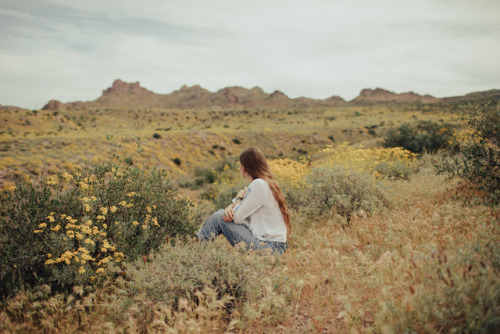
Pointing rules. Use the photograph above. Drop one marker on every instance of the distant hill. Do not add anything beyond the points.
(132, 95)
(489, 95)
(381, 95)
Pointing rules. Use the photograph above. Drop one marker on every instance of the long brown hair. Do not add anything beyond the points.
(255, 164)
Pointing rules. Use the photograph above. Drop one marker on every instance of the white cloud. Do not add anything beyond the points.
(72, 50)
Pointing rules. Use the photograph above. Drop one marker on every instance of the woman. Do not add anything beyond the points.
(258, 215)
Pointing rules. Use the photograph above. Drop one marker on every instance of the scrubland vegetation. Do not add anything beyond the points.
(394, 221)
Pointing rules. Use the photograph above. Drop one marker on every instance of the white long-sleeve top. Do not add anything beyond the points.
(259, 204)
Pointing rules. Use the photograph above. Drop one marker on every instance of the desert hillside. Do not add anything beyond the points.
(132, 95)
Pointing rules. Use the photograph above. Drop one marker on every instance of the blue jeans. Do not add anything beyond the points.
(236, 233)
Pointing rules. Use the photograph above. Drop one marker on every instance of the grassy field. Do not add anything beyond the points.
(32, 142)
(428, 262)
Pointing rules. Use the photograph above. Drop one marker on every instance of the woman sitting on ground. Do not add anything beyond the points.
(258, 215)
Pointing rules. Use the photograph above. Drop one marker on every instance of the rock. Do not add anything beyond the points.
(54, 105)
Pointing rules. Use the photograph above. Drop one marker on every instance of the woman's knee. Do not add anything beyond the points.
(218, 215)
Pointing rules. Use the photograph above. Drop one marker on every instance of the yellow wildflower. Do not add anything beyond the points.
(100, 270)
(144, 226)
(81, 270)
(105, 260)
(51, 219)
(104, 211)
(122, 203)
(52, 181)
(49, 261)
(37, 231)
(131, 194)
(67, 176)
(118, 256)
(42, 225)
(148, 209)
(135, 222)
(89, 241)
(87, 207)
(113, 209)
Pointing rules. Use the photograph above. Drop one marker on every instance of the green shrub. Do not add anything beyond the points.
(344, 192)
(203, 175)
(425, 136)
(476, 157)
(210, 287)
(180, 271)
(227, 183)
(65, 229)
(394, 170)
(177, 161)
(453, 292)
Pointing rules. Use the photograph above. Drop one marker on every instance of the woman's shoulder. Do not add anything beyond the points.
(259, 184)
(259, 181)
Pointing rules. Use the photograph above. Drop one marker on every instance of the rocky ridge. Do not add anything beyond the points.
(132, 95)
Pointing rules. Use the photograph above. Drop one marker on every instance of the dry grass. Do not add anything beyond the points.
(347, 275)
(47, 141)
(374, 276)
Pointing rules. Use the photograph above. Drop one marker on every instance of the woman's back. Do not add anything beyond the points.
(266, 219)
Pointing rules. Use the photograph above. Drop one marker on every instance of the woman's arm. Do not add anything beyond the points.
(229, 212)
(255, 197)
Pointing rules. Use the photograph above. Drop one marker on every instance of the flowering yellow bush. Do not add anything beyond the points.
(290, 173)
(88, 246)
(71, 227)
(465, 136)
(368, 160)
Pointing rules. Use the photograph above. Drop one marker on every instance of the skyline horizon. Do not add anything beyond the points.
(213, 91)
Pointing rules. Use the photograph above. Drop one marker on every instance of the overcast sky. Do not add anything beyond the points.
(72, 50)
